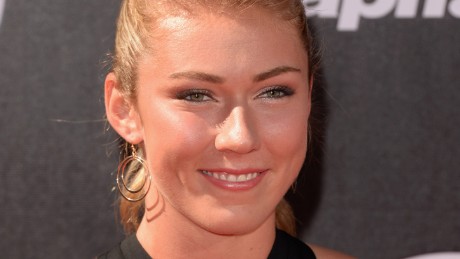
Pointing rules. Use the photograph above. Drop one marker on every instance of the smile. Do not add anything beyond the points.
(234, 178)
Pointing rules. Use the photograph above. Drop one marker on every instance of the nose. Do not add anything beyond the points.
(237, 133)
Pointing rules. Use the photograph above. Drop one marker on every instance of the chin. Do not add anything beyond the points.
(234, 223)
(231, 229)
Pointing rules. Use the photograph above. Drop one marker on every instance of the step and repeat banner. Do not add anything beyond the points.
(383, 179)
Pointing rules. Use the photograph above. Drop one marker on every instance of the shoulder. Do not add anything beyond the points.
(114, 253)
(325, 253)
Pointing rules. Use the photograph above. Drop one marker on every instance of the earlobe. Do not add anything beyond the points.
(121, 114)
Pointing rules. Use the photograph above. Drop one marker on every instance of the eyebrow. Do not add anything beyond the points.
(201, 76)
(275, 72)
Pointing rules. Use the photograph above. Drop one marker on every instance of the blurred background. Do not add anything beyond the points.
(383, 178)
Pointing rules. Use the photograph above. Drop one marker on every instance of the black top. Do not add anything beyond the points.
(285, 247)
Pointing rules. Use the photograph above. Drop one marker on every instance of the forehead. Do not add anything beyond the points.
(249, 22)
(203, 38)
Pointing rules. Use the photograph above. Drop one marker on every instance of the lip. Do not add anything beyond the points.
(234, 179)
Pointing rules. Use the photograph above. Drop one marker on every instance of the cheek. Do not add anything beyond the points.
(173, 138)
(287, 136)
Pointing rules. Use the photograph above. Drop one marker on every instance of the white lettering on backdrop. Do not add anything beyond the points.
(350, 12)
(2, 7)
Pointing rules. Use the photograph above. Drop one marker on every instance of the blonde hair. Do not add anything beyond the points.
(134, 27)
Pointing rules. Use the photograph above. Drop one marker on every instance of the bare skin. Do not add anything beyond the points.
(325, 253)
(207, 114)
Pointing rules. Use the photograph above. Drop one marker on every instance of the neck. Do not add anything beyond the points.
(165, 233)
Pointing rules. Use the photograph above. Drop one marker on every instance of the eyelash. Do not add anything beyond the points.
(276, 92)
(188, 95)
(202, 95)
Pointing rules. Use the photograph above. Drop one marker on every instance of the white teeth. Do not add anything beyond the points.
(232, 177)
(241, 178)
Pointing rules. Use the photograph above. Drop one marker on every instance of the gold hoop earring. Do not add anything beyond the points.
(133, 177)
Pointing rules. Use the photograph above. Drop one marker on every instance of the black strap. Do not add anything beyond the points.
(285, 247)
(288, 247)
(130, 248)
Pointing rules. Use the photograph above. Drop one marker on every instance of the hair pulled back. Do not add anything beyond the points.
(137, 21)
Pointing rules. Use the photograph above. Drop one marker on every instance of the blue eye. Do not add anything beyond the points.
(276, 92)
(195, 95)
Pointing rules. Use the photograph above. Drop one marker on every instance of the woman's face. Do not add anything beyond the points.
(223, 104)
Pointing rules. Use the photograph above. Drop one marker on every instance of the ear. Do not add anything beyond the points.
(310, 85)
(121, 113)
(310, 88)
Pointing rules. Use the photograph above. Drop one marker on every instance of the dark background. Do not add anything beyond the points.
(384, 183)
